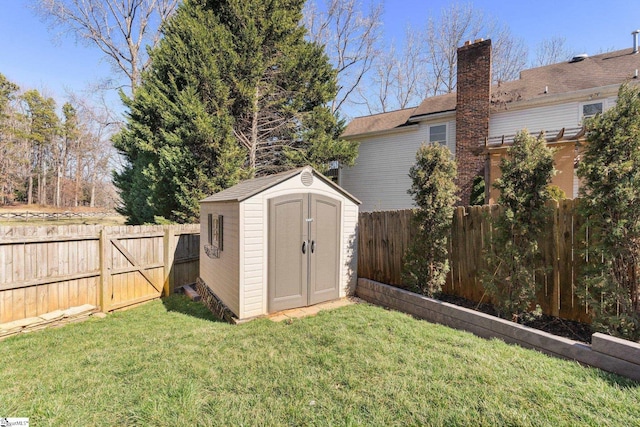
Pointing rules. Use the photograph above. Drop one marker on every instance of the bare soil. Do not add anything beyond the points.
(576, 331)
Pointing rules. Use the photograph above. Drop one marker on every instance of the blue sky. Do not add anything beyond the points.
(31, 57)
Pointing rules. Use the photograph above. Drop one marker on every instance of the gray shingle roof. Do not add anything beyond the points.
(561, 78)
(251, 187)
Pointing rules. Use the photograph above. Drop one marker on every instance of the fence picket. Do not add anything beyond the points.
(45, 268)
(385, 236)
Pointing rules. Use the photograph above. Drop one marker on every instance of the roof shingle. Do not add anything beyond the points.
(561, 78)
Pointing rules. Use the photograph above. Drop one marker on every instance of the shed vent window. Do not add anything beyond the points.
(438, 134)
(213, 247)
(307, 178)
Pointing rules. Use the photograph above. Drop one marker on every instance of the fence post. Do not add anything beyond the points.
(169, 244)
(105, 242)
(555, 304)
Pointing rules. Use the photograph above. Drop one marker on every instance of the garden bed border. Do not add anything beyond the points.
(607, 353)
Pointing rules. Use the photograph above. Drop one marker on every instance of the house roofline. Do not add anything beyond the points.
(578, 95)
(399, 129)
(428, 116)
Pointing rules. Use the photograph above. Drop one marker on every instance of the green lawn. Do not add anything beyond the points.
(168, 363)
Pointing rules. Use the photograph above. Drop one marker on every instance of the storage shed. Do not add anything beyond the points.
(277, 242)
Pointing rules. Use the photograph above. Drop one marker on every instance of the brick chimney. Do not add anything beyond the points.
(472, 113)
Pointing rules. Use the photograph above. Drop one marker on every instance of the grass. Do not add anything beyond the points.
(171, 363)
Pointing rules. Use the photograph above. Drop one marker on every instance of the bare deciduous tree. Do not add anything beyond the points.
(351, 36)
(91, 155)
(398, 78)
(552, 50)
(121, 29)
(441, 39)
(461, 22)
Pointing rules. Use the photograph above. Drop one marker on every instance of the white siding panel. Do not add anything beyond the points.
(451, 137)
(547, 118)
(349, 267)
(380, 177)
(252, 286)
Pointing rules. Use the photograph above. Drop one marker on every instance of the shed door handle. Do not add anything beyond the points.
(304, 247)
(313, 246)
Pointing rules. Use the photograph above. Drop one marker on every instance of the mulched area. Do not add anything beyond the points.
(577, 331)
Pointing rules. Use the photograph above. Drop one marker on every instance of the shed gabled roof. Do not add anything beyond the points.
(611, 68)
(251, 187)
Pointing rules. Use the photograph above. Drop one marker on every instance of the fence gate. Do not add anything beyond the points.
(139, 266)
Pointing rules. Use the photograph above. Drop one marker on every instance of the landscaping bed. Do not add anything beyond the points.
(571, 329)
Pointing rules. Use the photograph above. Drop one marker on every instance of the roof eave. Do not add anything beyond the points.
(403, 128)
(430, 116)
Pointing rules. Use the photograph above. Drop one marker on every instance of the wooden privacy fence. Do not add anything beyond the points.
(47, 268)
(51, 216)
(383, 238)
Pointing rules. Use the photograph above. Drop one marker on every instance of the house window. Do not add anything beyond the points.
(438, 133)
(591, 109)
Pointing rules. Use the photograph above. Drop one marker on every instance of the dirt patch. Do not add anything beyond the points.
(577, 331)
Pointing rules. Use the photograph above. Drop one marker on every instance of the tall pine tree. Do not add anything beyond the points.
(234, 90)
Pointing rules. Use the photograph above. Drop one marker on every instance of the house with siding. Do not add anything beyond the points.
(479, 121)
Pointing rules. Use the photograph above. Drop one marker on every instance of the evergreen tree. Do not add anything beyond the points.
(610, 170)
(43, 125)
(514, 261)
(434, 191)
(233, 90)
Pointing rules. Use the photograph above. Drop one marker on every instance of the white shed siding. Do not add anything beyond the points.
(221, 274)
(349, 264)
(252, 281)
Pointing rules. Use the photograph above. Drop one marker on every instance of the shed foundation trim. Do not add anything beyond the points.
(213, 303)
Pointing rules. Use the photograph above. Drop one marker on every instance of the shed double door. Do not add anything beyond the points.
(304, 250)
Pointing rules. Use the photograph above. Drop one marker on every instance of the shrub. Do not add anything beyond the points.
(477, 192)
(433, 189)
(514, 260)
(610, 170)
(556, 193)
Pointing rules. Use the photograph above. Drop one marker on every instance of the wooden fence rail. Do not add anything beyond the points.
(51, 216)
(383, 238)
(47, 268)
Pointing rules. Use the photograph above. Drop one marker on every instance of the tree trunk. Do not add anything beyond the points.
(30, 190)
(254, 132)
(78, 174)
(58, 180)
(92, 203)
(44, 188)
